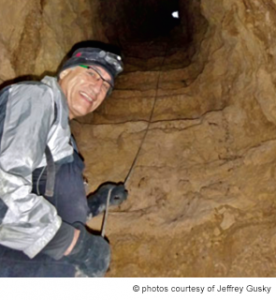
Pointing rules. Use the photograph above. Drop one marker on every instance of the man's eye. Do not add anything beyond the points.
(92, 74)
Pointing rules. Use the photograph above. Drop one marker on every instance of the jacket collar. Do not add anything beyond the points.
(53, 83)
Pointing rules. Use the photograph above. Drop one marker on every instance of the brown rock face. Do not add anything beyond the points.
(37, 34)
(202, 192)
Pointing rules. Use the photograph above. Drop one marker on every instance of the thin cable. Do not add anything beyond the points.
(138, 152)
(149, 122)
(106, 211)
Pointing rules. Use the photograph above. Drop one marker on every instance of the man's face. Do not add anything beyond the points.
(85, 89)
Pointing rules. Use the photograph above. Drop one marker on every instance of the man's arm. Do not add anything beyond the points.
(30, 221)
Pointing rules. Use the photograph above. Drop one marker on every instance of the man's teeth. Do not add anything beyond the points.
(86, 96)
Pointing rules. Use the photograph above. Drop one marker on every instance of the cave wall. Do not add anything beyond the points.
(231, 51)
(202, 193)
(37, 34)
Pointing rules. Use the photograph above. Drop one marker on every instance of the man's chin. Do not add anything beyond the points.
(79, 114)
(83, 114)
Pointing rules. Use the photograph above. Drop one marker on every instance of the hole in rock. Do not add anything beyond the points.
(153, 43)
(145, 27)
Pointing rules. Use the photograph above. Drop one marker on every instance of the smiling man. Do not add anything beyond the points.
(43, 205)
(86, 86)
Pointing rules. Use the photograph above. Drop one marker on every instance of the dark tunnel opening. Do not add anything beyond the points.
(153, 43)
(139, 20)
(146, 28)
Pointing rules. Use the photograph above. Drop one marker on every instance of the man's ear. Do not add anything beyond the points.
(64, 73)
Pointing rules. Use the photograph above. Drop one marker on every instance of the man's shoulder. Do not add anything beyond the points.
(31, 91)
(26, 94)
(46, 84)
(33, 85)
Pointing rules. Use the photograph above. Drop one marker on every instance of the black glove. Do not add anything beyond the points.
(91, 254)
(97, 201)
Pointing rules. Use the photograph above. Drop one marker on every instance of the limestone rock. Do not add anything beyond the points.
(204, 181)
(202, 191)
(37, 35)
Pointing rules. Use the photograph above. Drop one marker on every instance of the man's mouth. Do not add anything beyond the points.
(87, 97)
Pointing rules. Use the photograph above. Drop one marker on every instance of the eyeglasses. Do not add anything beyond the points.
(94, 73)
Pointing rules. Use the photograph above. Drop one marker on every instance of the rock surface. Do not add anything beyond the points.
(36, 35)
(202, 192)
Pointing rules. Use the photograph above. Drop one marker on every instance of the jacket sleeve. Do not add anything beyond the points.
(30, 221)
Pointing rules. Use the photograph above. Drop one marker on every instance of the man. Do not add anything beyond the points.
(43, 206)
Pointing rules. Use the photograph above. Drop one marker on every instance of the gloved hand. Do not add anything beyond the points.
(91, 254)
(97, 201)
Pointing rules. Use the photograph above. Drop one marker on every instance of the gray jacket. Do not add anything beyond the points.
(32, 115)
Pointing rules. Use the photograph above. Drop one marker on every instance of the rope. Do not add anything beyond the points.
(106, 211)
(149, 122)
(139, 150)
